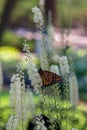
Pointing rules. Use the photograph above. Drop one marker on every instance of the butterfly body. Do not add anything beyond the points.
(49, 78)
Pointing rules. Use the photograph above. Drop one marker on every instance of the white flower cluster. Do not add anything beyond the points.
(32, 71)
(43, 58)
(50, 36)
(1, 77)
(30, 103)
(64, 66)
(15, 124)
(38, 17)
(54, 69)
(17, 97)
(40, 123)
(18, 100)
(34, 76)
(27, 50)
(12, 123)
(13, 90)
(41, 3)
(73, 90)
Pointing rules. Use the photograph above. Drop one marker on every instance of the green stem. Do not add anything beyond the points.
(0, 98)
(46, 104)
(56, 104)
(73, 111)
(22, 125)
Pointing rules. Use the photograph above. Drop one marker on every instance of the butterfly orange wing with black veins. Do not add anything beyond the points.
(49, 78)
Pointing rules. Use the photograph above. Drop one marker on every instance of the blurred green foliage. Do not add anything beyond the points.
(74, 12)
(77, 10)
(23, 8)
(9, 57)
(79, 59)
(80, 63)
(2, 3)
(8, 54)
(11, 39)
(4, 108)
(80, 114)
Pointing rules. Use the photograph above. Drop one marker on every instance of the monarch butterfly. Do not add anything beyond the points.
(49, 78)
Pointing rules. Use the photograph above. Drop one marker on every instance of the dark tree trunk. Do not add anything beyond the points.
(50, 6)
(5, 15)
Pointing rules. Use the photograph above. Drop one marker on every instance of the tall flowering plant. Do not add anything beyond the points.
(18, 102)
(58, 100)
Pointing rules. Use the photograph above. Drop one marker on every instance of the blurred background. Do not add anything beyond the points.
(67, 17)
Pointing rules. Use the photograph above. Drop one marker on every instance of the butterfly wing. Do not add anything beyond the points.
(46, 78)
(49, 78)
